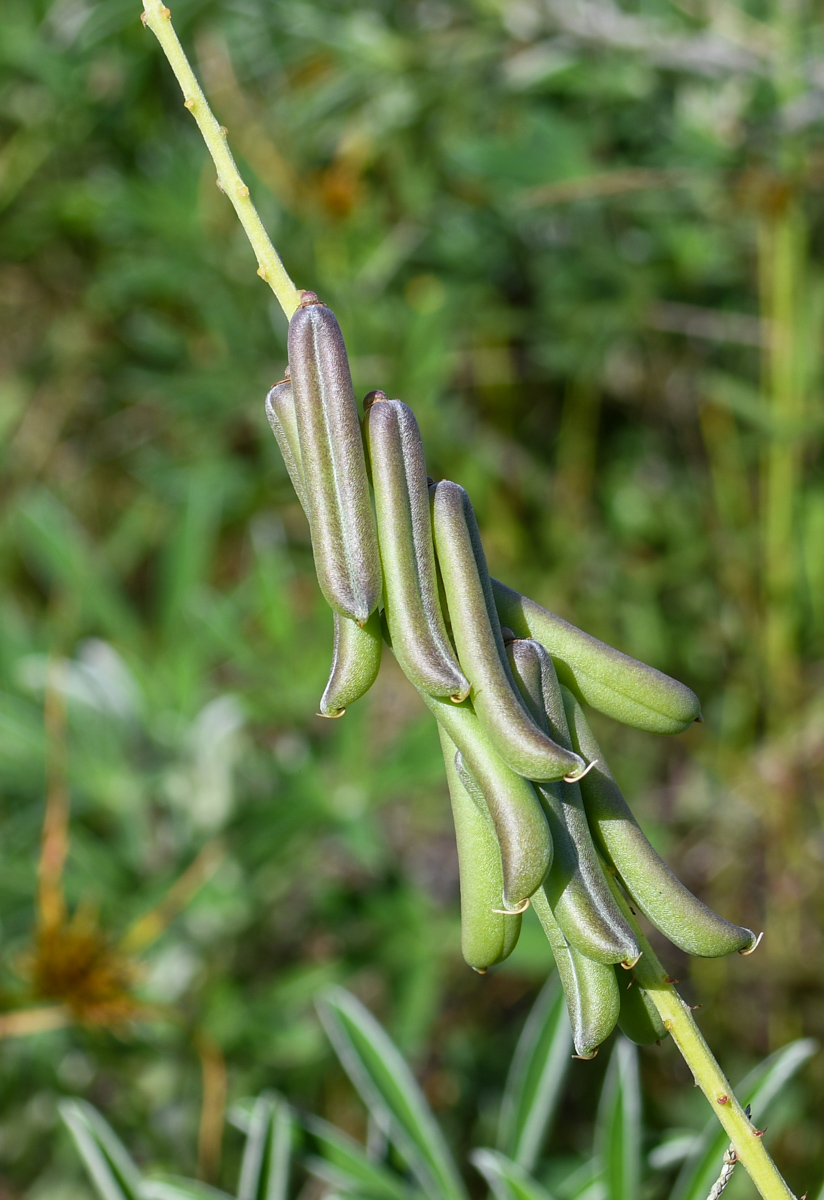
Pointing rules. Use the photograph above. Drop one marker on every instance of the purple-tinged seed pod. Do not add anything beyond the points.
(598, 674)
(590, 988)
(477, 634)
(344, 539)
(410, 580)
(654, 888)
(579, 895)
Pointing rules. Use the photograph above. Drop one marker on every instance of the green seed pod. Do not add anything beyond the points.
(280, 411)
(477, 633)
(660, 895)
(523, 834)
(356, 654)
(597, 674)
(487, 935)
(341, 522)
(576, 888)
(639, 1019)
(356, 657)
(590, 988)
(410, 581)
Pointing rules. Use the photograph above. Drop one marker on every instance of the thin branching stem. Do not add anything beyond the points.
(746, 1140)
(270, 267)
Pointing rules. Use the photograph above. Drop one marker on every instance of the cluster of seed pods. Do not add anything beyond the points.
(538, 816)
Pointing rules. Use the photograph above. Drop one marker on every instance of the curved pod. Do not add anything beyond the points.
(487, 935)
(576, 888)
(520, 825)
(479, 642)
(597, 674)
(356, 658)
(590, 988)
(410, 582)
(638, 1019)
(659, 893)
(280, 412)
(344, 539)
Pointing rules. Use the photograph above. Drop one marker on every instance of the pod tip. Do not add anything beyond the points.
(574, 778)
(751, 949)
(332, 715)
(459, 697)
(372, 398)
(307, 298)
(586, 1057)
(480, 970)
(629, 963)
(519, 908)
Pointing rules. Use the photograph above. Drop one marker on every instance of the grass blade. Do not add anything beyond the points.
(390, 1092)
(344, 1163)
(758, 1089)
(264, 1172)
(180, 1189)
(539, 1066)
(506, 1178)
(618, 1130)
(106, 1159)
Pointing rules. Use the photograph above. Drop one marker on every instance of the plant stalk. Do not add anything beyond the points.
(270, 268)
(746, 1140)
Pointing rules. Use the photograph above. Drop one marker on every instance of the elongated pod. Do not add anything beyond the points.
(590, 988)
(280, 411)
(356, 653)
(599, 675)
(578, 893)
(660, 895)
(356, 657)
(344, 539)
(487, 934)
(477, 633)
(638, 1019)
(512, 921)
(520, 825)
(410, 582)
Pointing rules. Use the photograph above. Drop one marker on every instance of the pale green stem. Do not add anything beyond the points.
(270, 267)
(679, 1022)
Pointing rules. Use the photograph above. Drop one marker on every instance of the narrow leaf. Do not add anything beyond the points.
(539, 1066)
(344, 1163)
(264, 1173)
(107, 1161)
(758, 1089)
(389, 1090)
(172, 1188)
(618, 1129)
(506, 1178)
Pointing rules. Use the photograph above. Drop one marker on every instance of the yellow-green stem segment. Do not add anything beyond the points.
(270, 268)
(678, 1020)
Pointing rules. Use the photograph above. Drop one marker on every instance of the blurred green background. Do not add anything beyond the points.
(584, 242)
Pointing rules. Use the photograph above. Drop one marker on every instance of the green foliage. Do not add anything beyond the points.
(396, 1104)
(591, 361)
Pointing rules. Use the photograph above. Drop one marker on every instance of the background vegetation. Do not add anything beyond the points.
(584, 242)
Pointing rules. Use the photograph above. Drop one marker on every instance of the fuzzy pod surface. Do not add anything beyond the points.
(599, 675)
(638, 1018)
(356, 659)
(479, 642)
(579, 895)
(487, 936)
(590, 988)
(410, 582)
(341, 522)
(520, 825)
(659, 893)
